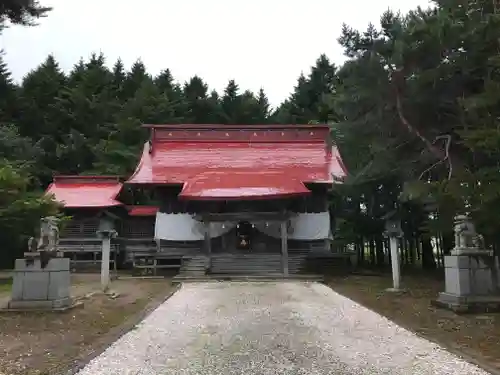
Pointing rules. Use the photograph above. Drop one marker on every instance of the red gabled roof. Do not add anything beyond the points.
(86, 191)
(236, 162)
(142, 210)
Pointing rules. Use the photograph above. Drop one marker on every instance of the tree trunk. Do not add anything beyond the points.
(373, 261)
(379, 245)
(361, 253)
(447, 242)
(428, 259)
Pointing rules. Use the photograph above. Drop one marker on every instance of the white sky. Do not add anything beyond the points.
(259, 43)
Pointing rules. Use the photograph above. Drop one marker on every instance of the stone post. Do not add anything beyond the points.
(395, 263)
(394, 232)
(106, 233)
(106, 250)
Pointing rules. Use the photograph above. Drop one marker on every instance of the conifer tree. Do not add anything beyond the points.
(9, 96)
(197, 105)
(231, 103)
(135, 78)
(22, 12)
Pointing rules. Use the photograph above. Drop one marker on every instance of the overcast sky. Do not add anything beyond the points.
(259, 43)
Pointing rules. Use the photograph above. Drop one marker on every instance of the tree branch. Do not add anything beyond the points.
(398, 77)
(446, 157)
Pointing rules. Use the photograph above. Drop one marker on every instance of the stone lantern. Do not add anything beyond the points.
(393, 228)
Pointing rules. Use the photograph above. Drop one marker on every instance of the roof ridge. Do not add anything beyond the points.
(235, 126)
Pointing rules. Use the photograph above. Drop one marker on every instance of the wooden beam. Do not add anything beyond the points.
(284, 247)
(208, 240)
(240, 216)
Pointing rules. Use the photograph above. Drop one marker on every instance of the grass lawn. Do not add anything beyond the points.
(477, 336)
(53, 343)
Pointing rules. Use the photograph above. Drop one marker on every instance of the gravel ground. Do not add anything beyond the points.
(270, 328)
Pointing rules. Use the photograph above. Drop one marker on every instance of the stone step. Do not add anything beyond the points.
(247, 278)
(195, 266)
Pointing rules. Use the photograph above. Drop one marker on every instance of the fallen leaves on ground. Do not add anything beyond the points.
(50, 343)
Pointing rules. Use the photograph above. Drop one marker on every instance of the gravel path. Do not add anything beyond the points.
(270, 328)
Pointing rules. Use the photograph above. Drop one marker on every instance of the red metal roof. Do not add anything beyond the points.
(142, 210)
(230, 162)
(86, 191)
(235, 185)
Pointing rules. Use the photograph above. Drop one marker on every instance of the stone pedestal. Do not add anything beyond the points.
(472, 283)
(37, 288)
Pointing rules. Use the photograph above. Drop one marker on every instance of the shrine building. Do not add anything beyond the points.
(240, 198)
(86, 200)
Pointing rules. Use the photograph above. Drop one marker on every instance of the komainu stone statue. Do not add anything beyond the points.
(466, 237)
(47, 242)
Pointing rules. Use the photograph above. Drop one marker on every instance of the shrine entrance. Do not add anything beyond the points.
(244, 235)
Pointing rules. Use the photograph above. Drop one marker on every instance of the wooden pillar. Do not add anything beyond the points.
(208, 244)
(115, 260)
(155, 259)
(284, 247)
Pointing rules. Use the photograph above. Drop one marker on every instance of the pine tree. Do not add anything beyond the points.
(90, 100)
(197, 104)
(321, 85)
(40, 93)
(165, 81)
(118, 80)
(77, 73)
(172, 90)
(231, 103)
(8, 95)
(22, 12)
(263, 107)
(135, 78)
(300, 104)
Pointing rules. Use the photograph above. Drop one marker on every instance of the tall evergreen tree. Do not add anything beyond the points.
(165, 81)
(77, 73)
(195, 94)
(118, 80)
(43, 113)
(40, 93)
(263, 107)
(231, 103)
(173, 92)
(8, 95)
(90, 101)
(22, 12)
(135, 78)
(300, 112)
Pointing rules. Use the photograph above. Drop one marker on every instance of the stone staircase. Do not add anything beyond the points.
(194, 266)
(297, 259)
(300, 263)
(246, 264)
(296, 264)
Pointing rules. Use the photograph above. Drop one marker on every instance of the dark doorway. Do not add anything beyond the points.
(244, 231)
